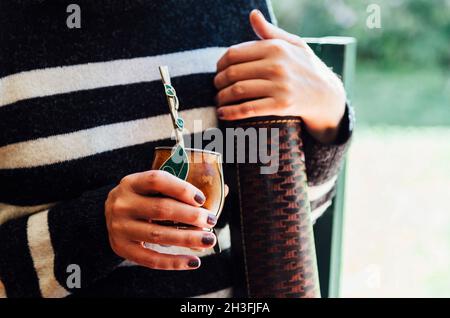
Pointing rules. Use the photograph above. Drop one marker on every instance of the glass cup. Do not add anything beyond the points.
(205, 173)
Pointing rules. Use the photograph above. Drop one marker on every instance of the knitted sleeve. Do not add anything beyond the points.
(323, 162)
(50, 252)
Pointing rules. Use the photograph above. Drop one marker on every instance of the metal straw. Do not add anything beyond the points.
(172, 100)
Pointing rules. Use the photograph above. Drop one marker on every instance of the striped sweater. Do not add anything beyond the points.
(81, 108)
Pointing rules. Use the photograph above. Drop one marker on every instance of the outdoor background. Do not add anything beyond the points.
(397, 210)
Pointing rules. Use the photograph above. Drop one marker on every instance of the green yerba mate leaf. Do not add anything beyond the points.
(177, 164)
(170, 91)
(180, 123)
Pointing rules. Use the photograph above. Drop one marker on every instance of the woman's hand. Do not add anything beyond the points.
(129, 210)
(279, 75)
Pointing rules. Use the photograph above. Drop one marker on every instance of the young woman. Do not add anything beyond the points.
(81, 110)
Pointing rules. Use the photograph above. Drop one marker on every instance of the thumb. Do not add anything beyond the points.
(266, 30)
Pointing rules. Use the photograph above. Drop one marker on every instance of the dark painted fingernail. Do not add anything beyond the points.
(220, 113)
(193, 263)
(212, 219)
(199, 198)
(208, 239)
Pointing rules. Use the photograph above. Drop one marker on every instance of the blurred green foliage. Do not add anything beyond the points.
(413, 32)
(402, 96)
(403, 68)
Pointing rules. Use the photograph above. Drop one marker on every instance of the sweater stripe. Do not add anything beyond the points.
(59, 148)
(69, 179)
(16, 264)
(43, 256)
(60, 80)
(60, 114)
(9, 212)
(79, 236)
(317, 191)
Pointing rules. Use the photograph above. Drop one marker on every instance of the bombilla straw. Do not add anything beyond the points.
(173, 103)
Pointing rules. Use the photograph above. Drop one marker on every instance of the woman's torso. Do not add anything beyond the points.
(81, 108)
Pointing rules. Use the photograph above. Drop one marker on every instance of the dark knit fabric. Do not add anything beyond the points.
(85, 233)
(16, 265)
(137, 281)
(323, 161)
(67, 112)
(82, 108)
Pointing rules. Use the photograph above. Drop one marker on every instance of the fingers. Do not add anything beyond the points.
(273, 37)
(249, 89)
(266, 30)
(260, 107)
(161, 208)
(245, 71)
(157, 181)
(141, 231)
(243, 52)
(135, 252)
(257, 50)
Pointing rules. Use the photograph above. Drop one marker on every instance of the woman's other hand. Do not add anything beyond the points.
(279, 75)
